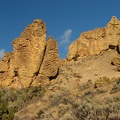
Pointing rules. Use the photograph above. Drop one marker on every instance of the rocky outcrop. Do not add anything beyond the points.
(96, 41)
(115, 61)
(51, 59)
(29, 50)
(50, 64)
(4, 63)
(32, 56)
(5, 69)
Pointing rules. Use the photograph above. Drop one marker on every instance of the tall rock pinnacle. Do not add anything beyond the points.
(29, 51)
(29, 60)
(49, 66)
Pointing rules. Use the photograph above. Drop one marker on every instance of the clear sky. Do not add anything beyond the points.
(65, 19)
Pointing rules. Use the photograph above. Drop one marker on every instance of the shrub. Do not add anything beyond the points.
(43, 115)
(22, 97)
(116, 86)
(93, 109)
(6, 113)
(115, 89)
(102, 81)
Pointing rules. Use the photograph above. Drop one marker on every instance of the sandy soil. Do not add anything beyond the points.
(88, 68)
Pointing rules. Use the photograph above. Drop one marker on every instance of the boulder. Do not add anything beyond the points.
(115, 61)
(5, 64)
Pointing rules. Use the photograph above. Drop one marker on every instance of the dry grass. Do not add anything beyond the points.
(89, 104)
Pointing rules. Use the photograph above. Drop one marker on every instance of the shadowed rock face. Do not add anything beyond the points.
(96, 41)
(31, 50)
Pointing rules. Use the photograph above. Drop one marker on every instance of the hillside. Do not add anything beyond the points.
(96, 86)
(38, 85)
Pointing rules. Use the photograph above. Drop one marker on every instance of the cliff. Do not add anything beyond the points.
(95, 41)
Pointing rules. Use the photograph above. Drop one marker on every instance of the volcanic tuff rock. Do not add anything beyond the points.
(31, 50)
(51, 59)
(5, 69)
(50, 64)
(96, 41)
(34, 58)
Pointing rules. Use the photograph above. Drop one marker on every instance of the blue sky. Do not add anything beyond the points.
(65, 19)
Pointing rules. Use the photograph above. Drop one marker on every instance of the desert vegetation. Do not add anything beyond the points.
(12, 101)
(88, 103)
(6, 112)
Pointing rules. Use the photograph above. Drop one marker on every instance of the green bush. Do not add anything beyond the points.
(22, 97)
(6, 113)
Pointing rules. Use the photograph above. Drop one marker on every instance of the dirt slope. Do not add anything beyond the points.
(71, 76)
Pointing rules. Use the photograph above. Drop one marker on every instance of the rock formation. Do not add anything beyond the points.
(5, 64)
(32, 56)
(96, 41)
(35, 61)
(51, 59)
(29, 51)
(50, 64)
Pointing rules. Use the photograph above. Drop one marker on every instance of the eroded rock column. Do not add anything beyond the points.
(29, 50)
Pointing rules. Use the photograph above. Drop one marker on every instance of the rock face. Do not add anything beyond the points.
(50, 64)
(96, 41)
(5, 69)
(35, 60)
(32, 56)
(29, 51)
